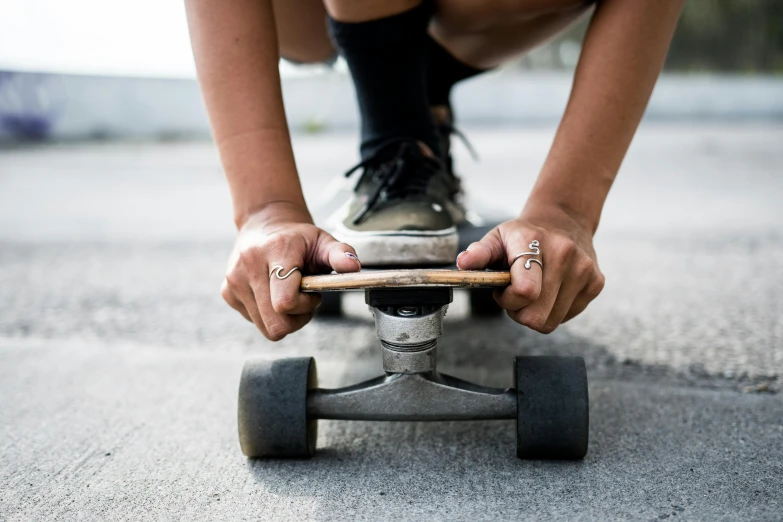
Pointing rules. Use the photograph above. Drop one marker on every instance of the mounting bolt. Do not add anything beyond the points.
(407, 311)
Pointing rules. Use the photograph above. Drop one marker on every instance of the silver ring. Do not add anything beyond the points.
(277, 269)
(534, 251)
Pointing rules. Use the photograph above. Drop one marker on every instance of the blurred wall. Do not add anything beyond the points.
(724, 63)
(69, 107)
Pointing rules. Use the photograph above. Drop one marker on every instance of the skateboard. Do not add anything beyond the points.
(280, 402)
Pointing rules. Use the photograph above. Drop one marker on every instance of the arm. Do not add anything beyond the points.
(622, 55)
(235, 48)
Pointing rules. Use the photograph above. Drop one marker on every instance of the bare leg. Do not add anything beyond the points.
(301, 31)
(486, 33)
(483, 34)
(364, 10)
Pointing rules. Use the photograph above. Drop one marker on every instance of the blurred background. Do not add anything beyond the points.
(104, 70)
(119, 360)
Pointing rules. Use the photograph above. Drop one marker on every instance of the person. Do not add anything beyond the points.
(404, 57)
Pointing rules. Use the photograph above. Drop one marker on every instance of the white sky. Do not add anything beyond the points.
(104, 37)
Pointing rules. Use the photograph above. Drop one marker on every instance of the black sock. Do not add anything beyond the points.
(443, 72)
(388, 63)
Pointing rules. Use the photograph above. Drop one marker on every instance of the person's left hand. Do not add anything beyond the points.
(539, 298)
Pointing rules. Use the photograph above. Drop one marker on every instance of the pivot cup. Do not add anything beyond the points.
(408, 336)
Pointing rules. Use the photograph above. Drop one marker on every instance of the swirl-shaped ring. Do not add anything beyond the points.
(277, 269)
(534, 251)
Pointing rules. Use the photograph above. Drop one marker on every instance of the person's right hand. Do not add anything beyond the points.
(281, 235)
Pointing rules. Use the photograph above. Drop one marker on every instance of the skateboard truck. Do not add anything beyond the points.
(408, 326)
(279, 403)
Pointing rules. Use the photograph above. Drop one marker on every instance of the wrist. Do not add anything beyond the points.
(549, 206)
(274, 212)
(575, 190)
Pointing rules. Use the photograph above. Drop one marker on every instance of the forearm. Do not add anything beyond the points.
(235, 49)
(622, 55)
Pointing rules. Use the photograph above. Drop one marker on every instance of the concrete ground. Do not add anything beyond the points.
(119, 362)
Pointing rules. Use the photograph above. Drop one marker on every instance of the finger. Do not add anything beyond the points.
(536, 314)
(558, 264)
(559, 259)
(525, 287)
(276, 325)
(296, 322)
(233, 301)
(337, 256)
(526, 278)
(585, 297)
(285, 295)
(568, 292)
(246, 296)
(577, 307)
(483, 253)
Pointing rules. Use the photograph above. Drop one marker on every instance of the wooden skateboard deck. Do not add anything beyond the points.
(417, 277)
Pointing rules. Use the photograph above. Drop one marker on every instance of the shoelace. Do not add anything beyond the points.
(447, 128)
(407, 172)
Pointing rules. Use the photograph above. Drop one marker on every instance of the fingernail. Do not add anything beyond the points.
(353, 256)
(460, 255)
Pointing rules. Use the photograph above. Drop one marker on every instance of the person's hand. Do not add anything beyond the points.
(281, 235)
(539, 298)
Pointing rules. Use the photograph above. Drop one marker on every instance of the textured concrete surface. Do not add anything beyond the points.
(119, 363)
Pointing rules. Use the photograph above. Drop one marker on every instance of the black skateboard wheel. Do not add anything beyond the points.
(552, 407)
(331, 305)
(273, 408)
(482, 303)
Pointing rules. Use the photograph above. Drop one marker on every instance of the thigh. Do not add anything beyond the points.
(486, 33)
(481, 15)
(301, 31)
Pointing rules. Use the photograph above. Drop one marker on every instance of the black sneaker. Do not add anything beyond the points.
(399, 213)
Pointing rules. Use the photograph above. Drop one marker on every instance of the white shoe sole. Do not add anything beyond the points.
(412, 247)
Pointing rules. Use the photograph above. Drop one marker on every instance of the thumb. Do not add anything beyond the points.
(482, 254)
(340, 257)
